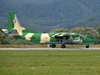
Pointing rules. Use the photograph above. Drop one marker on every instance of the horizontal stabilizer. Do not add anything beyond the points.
(5, 31)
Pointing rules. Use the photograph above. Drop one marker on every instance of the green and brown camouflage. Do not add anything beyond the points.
(17, 31)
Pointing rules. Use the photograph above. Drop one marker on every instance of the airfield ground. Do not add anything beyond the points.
(49, 62)
(46, 45)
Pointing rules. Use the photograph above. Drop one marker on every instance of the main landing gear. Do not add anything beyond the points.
(53, 46)
(63, 46)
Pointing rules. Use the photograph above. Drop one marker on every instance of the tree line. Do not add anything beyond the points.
(61, 13)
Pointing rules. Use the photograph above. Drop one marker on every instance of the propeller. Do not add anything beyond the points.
(81, 36)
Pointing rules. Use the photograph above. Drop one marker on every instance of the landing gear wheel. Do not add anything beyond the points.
(87, 46)
(51, 45)
(63, 46)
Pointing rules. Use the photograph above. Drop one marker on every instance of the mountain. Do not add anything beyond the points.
(93, 21)
(49, 14)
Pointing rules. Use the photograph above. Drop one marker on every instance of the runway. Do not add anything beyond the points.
(49, 49)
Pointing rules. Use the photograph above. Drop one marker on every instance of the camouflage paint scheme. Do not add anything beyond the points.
(15, 30)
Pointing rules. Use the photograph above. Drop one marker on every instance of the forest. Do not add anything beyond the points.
(38, 15)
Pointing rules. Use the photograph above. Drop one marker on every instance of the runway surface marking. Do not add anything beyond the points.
(49, 48)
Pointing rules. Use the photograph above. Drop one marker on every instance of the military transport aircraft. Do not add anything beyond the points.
(17, 31)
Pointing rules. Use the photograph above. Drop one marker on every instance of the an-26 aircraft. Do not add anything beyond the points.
(17, 31)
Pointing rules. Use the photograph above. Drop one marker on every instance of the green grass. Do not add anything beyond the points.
(74, 62)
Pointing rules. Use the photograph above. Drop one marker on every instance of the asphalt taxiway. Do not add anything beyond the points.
(49, 48)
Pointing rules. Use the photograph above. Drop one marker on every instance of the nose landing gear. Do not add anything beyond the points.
(87, 46)
(63, 46)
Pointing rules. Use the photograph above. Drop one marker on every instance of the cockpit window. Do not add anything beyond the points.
(90, 37)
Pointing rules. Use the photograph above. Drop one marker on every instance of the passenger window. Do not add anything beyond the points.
(46, 38)
(38, 38)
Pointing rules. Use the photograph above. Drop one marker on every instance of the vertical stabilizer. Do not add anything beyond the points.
(11, 17)
(13, 24)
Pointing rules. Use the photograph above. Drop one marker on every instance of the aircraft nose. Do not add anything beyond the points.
(95, 41)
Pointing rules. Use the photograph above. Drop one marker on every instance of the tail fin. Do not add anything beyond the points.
(11, 18)
(13, 24)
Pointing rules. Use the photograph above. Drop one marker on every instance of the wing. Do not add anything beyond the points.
(65, 36)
